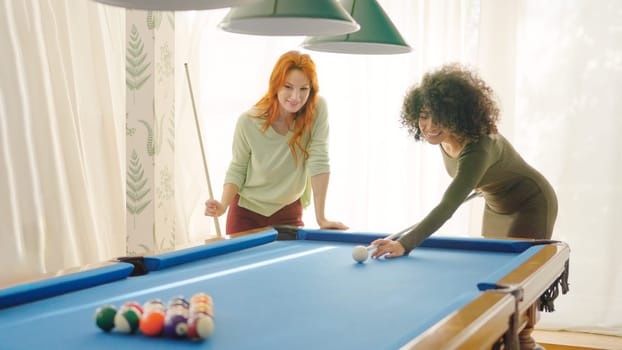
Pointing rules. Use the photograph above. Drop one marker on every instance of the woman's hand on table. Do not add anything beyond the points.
(387, 248)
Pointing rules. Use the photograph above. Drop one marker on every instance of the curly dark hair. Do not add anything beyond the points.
(455, 98)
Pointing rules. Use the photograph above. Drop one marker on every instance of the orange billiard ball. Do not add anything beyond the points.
(152, 323)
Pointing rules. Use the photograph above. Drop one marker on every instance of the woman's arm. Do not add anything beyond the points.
(319, 184)
(472, 165)
(215, 208)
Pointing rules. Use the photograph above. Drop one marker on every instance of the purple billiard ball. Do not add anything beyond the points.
(176, 325)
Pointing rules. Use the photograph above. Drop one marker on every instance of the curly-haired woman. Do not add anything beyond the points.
(454, 108)
(278, 145)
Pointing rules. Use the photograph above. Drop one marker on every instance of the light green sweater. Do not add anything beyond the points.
(263, 167)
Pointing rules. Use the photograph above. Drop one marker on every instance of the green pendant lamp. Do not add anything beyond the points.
(290, 17)
(174, 5)
(378, 35)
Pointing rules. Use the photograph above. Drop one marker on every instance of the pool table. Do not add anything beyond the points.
(295, 288)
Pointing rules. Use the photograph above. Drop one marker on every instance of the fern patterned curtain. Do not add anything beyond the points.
(557, 68)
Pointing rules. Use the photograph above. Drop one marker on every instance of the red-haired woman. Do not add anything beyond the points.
(279, 145)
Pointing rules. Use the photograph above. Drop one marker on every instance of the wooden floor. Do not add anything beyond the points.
(576, 341)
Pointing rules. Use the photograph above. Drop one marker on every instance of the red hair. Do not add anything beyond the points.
(269, 103)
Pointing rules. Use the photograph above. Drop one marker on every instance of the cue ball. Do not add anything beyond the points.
(359, 253)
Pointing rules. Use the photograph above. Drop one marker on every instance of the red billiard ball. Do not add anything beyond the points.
(133, 304)
(104, 317)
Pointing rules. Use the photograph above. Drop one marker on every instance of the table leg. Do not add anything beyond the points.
(526, 340)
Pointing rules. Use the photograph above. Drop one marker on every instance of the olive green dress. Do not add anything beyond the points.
(520, 202)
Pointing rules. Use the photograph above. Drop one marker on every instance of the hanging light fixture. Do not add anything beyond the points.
(174, 5)
(378, 35)
(290, 17)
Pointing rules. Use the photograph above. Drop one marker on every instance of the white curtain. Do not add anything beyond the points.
(556, 66)
(61, 136)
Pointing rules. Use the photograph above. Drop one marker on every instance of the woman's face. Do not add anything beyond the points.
(295, 92)
(432, 132)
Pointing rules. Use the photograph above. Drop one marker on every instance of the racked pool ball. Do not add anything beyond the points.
(201, 298)
(133, 304)
(104, 317)
(127, 320)
(176, 325)
(154, 304)
(178, 301)
(200, 326)
(202, 308)
(152, 323)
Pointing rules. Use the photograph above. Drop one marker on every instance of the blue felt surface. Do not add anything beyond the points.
(302, 294)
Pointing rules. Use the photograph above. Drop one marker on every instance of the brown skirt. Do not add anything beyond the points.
(241, 219)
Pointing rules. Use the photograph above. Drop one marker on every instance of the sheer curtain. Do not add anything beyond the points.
(61, 136)
(564, 92)
(557, 69)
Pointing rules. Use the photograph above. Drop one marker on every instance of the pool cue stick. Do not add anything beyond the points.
(198, 127)
(392, 236)
(397, 234)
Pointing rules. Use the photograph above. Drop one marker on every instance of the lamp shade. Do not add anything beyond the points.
(174, 5)
(290, 17)
(378, 35)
